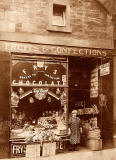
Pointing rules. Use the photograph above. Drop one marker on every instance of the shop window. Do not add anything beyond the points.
(38, 103)
(59, 16)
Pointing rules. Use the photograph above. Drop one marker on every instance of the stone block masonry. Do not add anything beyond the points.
(89, 20)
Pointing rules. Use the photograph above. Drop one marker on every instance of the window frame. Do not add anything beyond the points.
(59, 28)
(63, 16)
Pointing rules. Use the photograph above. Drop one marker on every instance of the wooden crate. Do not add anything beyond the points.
(49, 149)
(94, 144)
(33, 151)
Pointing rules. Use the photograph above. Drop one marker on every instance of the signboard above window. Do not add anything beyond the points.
(59, 16)
(39, 73)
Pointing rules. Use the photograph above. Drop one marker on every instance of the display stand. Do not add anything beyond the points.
(94, 144)
(94, 141)
(48, 149)
(33, 151)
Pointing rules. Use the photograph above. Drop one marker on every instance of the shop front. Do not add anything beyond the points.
(90, 93)
(38, 102)
(46, 87)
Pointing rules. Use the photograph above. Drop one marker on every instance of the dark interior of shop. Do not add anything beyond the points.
(79, 80)
(79, 93)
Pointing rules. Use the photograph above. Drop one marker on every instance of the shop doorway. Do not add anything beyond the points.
(90, 93)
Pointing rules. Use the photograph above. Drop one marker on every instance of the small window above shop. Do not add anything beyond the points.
(59, 16)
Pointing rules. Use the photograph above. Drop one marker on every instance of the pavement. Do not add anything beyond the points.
(82, 154)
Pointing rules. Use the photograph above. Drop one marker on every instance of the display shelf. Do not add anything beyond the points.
(17, 140)
(23, 141)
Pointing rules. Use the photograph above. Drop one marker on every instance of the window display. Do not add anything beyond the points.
(38, 100)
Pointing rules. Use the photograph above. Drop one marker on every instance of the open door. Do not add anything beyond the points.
(4, 103)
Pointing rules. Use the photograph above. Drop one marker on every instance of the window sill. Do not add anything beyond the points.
(59, 29)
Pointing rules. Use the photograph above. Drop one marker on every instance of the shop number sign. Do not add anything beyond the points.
(18, 150)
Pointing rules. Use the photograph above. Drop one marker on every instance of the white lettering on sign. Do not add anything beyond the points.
(64, 83)
(94, 83)
(14, 82)
(46, 83)
(55, 78)
(61, 145)
(39, 83)
(27, 82)
(35, 90)
(58, 82)
(104, 69)
(18, 149)
(46, 67)
(35, 67)
(55, 71)
(64, 78)
(52, 83)
(24, 71)
(20, 82)
(33, 82)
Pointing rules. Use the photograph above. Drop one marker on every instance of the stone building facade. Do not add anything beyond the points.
(31, 27)
(27, 21)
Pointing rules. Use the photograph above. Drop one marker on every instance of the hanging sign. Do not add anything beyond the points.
(105, 69)
(40, 93)
(94, 83)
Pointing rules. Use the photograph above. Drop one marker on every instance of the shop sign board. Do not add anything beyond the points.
(53, 49)
(105, 69)
(60, 146)
(94, 83)
(18, 150)
(39, 73)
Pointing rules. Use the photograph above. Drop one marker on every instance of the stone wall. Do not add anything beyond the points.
(115, 28)
(109, 5)
(89, 20)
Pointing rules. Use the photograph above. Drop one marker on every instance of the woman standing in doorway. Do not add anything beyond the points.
(74, 125)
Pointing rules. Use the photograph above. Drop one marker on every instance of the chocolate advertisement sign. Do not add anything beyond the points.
(39, 73)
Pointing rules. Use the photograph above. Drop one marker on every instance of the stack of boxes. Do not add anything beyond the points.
(94, 141)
